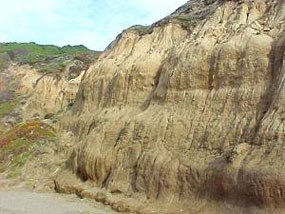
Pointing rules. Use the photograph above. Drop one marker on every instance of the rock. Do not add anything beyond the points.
(186, 113)
(178, 115)
(49, 93)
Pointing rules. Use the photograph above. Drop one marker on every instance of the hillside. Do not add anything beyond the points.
(183, 116)
(37, 83)
(46, 58)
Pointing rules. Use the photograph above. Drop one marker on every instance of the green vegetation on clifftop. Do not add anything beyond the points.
(46, 58)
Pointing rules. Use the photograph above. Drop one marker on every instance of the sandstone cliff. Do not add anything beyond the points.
(51, 93)
(48, 76)
(37, 84)
(190, 109)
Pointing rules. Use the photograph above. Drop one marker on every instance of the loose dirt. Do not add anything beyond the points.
(18, 200)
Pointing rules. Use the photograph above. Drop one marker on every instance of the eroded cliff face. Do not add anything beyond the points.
(45, 93)
(52, 93)
(181, 114)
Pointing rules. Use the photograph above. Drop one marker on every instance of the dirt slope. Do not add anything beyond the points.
(191, 109)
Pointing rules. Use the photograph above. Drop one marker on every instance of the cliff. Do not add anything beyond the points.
(47, 75)
(37, 84)
(189, 109)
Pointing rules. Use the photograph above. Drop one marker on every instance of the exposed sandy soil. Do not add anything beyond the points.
(18, 200)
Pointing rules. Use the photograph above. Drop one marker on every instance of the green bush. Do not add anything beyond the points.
(4, 60)
(53, 67)
(22, 142)
(142, 29)
(7, 107)
(187, 21)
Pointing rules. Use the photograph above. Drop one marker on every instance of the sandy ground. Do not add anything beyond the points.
(18, 200)
(22, 202)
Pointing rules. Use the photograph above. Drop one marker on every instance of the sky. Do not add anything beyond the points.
(93, 23)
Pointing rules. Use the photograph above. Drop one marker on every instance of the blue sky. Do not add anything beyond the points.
(93, 23)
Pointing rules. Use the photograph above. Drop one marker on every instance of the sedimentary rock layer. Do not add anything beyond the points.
(191, 108)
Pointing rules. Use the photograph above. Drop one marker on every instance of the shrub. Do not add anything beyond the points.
(142, 29)
(188, 22)
(7, 107)
(18, 144)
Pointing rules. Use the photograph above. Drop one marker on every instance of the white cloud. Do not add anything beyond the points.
(93, 23)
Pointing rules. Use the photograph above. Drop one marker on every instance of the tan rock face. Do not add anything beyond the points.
(53, 93)
(177, 114)
(48, 93)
